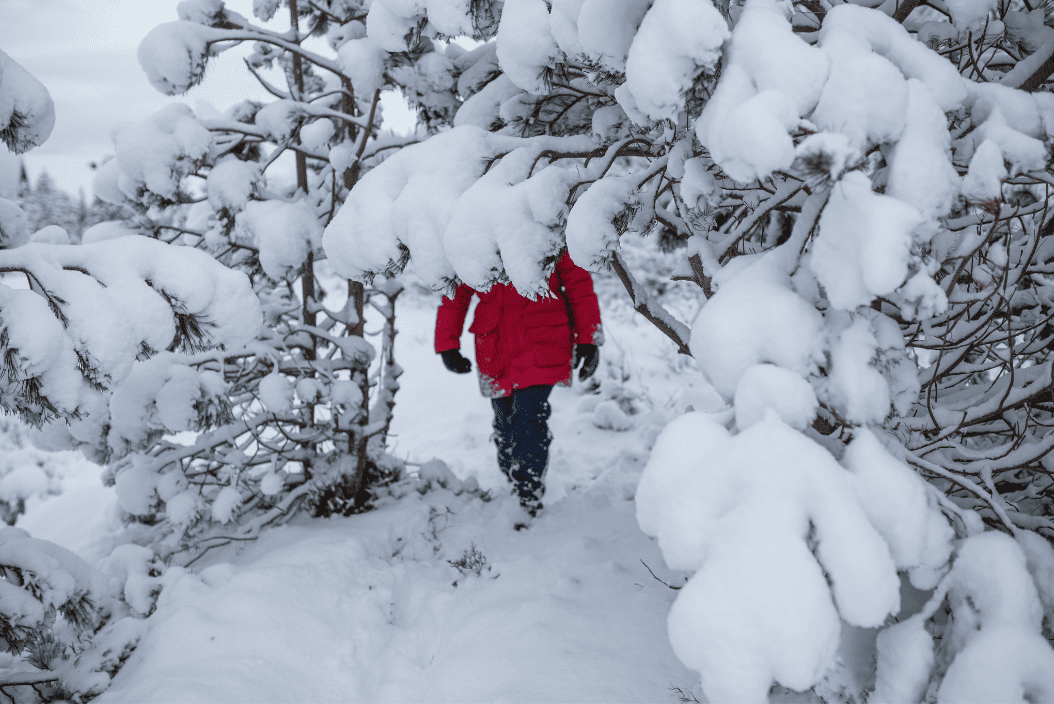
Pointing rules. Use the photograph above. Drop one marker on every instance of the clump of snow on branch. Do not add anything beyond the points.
(888, 38)
(770, 81)
(1000, 654)
(860, 56)
(133, 575)
(784, 329)
(526, 47)
(863, 248)
(591, 234)
(512, 217)
(661, 67)
(984, 180)
(606, 30)
(436, 202)
(200, 11)
(364, 62)
(865, 96)
(483, 108)
(280, 119)
(276, 393)
(868, 370)
(783, 542)
(27, 113)
(283, 233)
(173, 55)
(920, 170)
(390, 23)
(902, 508)
(230, 184)
(153, 155)
(160, 396)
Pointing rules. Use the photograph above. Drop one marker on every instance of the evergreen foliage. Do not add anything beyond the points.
(66, 339)
(296, 420)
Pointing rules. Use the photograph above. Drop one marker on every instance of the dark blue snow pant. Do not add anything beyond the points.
(521, 432)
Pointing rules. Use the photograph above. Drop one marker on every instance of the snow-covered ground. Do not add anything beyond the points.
(371, 608)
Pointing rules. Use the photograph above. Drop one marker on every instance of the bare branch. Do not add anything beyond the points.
(651, 309)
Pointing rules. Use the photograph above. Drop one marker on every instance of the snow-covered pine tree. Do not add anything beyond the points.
(864, 195)
(294, 420)
(73, 320)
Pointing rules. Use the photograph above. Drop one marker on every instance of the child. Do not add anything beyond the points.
(523, 348)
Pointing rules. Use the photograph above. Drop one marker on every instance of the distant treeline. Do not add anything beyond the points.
(44, 203)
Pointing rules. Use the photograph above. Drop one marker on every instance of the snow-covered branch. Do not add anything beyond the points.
(92, 310)
(646, 305)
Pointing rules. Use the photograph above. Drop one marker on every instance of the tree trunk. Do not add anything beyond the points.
(357, 294)
(307, 280)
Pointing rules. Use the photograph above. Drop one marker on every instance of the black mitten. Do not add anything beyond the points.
(453, 361)
(590, 355)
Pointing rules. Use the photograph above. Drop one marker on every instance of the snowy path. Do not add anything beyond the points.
(366, 608)
(329, 614)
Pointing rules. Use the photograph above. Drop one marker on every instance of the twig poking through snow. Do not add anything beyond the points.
(656, 578)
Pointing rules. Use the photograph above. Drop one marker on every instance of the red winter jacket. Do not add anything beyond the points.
(520, 342)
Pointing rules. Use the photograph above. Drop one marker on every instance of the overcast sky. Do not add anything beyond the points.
(84, 52)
